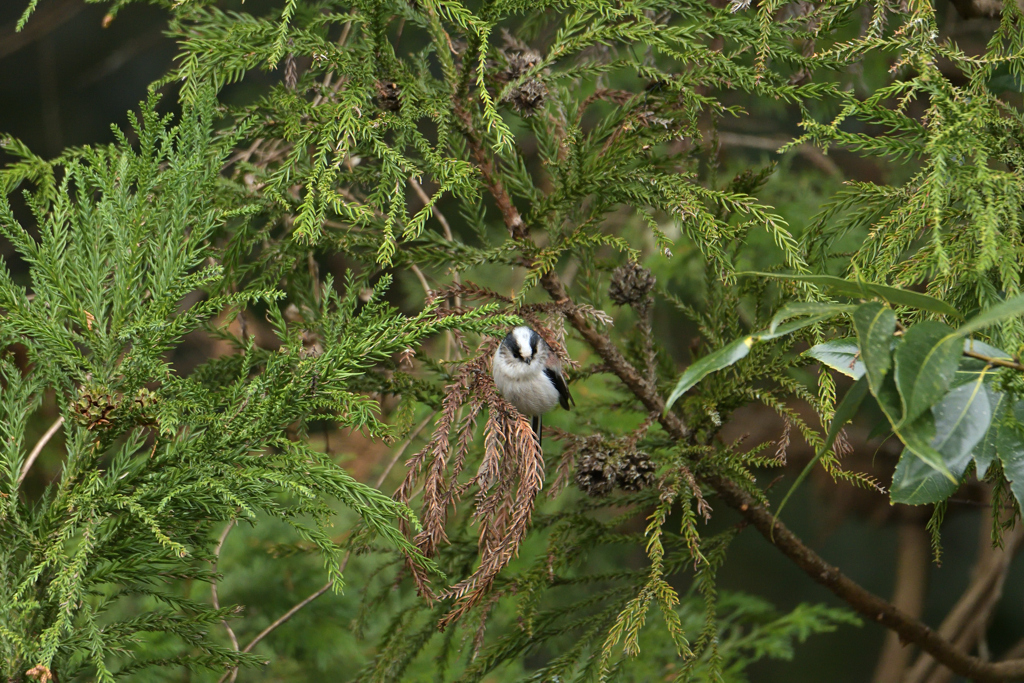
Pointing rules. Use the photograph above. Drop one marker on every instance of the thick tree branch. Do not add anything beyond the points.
(513, 221)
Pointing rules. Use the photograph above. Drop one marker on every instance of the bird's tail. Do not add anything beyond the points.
(536, 422)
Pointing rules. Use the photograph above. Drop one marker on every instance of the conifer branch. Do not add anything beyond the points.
(863, 601)
(513, 221)
(778, 534)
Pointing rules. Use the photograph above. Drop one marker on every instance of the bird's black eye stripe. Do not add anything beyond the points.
(510, 342)
(533, 343)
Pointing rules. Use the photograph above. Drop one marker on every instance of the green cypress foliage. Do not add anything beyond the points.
(497, 150)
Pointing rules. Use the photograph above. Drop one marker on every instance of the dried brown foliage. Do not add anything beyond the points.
(509, 477)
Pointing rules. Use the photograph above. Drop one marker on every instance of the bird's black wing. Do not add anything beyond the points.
(564, 397)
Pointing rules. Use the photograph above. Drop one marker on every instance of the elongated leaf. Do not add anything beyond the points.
(712, 362)
(999, 436)
(958, 421)
(1008, 309)
(865, 290)
(961, 419)
(917, 437)
(975, 346)
(915, 482)
(889, 400)
(791, 327)
(808, 308)
(1010, 449)
(839, 354)
(845, 412)
(875, 324)
(926, 362)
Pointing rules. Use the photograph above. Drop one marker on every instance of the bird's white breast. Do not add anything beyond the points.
(524, 385)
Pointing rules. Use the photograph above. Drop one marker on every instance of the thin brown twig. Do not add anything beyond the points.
(418, 189)
(810, 152)
(421, 277)
(43, 440)
(344, 561)
(213, 589)
(1002, 362)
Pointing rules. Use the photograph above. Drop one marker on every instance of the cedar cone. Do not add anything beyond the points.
(631, 284)
(94, 407)
(595, 468)
(529, 96)
(635, 471)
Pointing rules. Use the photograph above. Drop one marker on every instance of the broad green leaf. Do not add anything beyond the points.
(917, 483)
(839, 354)
(865, 290)
(1008, 309)
(926, 362)
(980, 347)
(917, 438)
(791, 327)
(845, 412)
(808, 308)
(875, 324)
(712, 362)
(1010, 449)
(889, 399)
(998, 436)
(958, 422)
(732, 353)
(961, 419)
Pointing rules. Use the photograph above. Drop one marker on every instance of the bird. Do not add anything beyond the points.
(529, 375)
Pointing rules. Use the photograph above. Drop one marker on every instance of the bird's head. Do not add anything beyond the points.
(523, 344)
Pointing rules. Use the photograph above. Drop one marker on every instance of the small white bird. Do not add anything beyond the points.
(529, 375)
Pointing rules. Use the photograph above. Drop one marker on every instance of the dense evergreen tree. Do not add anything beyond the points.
(551, 163)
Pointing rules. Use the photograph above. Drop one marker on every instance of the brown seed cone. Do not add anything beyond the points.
(595, 468)
(631, 284)
(635, 471)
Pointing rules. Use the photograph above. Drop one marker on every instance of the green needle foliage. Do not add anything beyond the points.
(155, 459)
(551, 163)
